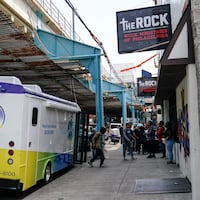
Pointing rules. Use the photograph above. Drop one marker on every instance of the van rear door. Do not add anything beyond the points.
(33, 130)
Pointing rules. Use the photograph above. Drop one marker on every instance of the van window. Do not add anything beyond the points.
(34, 116)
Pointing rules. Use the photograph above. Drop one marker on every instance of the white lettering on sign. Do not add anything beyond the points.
(127, 25)
(147, 83)
(145, 22)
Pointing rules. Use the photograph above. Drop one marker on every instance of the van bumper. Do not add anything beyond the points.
(10, 184)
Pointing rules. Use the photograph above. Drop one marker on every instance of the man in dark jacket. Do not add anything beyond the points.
(151, 140)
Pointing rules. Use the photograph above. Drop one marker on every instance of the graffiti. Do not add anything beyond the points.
(183, 127)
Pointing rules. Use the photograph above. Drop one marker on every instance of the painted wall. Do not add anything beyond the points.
(188, 101)
(194, 130)
(187, 153)
(183, 128)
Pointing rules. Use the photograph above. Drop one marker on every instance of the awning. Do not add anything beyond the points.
(174, 61)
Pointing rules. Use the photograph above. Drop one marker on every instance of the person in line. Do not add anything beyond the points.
(128, 141)
(137, 139)
(160, 135)
(142, 139)
(98, 144)
(170, 140)
(121, 130)
(151, 140)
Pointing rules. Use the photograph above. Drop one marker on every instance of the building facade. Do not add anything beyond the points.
(178, 87)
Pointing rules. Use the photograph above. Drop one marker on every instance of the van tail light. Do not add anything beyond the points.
(10, 152)
(11, 144)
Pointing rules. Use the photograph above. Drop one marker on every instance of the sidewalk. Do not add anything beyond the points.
(115, 181)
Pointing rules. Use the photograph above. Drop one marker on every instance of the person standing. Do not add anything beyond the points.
(121, 130)
(170, 140)
(137, 139)
(142, 138)
(128, 141)
(160, 135)
(151, 140)
(98, 145)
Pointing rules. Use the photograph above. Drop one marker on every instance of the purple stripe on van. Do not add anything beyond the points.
(19, 89)
(11, 88)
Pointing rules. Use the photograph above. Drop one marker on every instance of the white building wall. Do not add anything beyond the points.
(177, 7)
(183, 121)
(194, 130)
(23, 8)
(189, 165)
(165, 110)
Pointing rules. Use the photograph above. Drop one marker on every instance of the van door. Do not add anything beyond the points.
(33, 130)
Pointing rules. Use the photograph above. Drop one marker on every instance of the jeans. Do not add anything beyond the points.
(162, 148)
(169, 144)
(127, 146)
(99, 153)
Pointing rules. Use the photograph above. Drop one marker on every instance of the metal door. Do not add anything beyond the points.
(81, 138)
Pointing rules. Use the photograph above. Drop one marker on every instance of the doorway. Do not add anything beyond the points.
(81, 140)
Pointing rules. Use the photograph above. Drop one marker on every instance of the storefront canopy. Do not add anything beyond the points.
(174, 60)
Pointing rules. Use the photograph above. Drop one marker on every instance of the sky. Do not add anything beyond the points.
(100, 18)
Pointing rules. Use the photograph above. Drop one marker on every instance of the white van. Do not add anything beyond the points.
(114, 132)
(37, 134)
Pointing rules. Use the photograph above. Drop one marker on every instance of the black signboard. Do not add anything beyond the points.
(146, 86)
(144, 29)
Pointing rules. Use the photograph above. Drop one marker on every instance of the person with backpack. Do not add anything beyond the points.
(98, 144)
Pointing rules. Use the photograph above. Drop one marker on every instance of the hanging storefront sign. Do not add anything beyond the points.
(146, 86)
(144, 29)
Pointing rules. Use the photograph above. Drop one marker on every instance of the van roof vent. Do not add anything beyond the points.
(33, 87)
(10, 79)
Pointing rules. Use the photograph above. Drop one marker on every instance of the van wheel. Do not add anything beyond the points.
(47, 174)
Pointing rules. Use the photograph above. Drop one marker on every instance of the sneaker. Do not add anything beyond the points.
(163, 157)
(125, 159)
(101, 165)
(90, 164)
(170, 162)
(132, 157)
